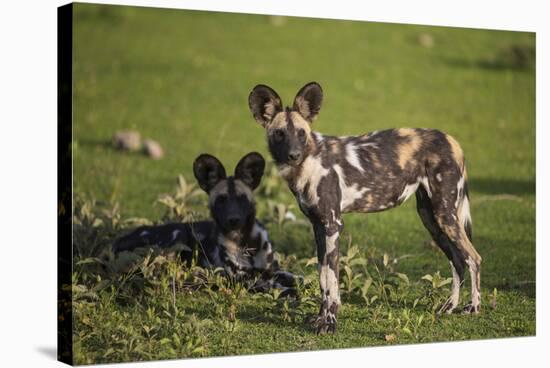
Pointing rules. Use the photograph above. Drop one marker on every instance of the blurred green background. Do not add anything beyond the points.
(183, 78)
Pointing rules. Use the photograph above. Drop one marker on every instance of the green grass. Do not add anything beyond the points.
(183, 78)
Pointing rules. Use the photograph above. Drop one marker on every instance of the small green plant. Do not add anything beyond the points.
(178, 206)
(434, 295)
(289, 309)
(406, 323)
(352, 278)
(365, 292)
(389, 286)
(93, 227)
(494, 298)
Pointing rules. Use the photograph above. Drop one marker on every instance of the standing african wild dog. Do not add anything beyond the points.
(368, 173)
(235, 241)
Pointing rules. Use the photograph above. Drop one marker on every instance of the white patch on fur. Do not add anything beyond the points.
(408, 191)
(369, 144)
(175, 234)
(459, 189)
(476, 295)
(235, 253)
(260, 258)
(284, 170)
(144, 233)
(331, 242)
(426, 184)
(439, 177)
(349, 193)
(464, 215)
(455, 294)
(352, 158)
(318, 136)
(328, 281)
(312, 173)
(365, 141)
(335, 219)
(411, 188)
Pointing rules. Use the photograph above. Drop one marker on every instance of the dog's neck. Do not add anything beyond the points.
(295, 175)
(240, 237)
(241, 247)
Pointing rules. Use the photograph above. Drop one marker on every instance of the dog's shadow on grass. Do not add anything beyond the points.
(107, 145)
(519, 57)
(502, 186)
(256, 314)
(505, 189)
(490, 64)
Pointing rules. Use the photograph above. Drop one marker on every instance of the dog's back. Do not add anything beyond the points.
(187, 238)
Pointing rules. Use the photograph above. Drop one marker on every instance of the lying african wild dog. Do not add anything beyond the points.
(235, 240)
(368, 173)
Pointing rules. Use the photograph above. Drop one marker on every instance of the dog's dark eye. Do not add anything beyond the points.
(222, 198)
(301, 134)
(279, 134)
(241, 197)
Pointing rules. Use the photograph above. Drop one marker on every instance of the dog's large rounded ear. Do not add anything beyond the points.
(264, 103)
(208, 171)
(250, 169)
(308, 101)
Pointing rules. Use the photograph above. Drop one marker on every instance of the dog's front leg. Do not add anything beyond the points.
(326, 237)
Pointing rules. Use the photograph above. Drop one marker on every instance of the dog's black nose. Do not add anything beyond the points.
(294, 155)
(233, 221)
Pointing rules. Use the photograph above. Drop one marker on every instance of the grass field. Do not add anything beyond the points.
(183, 78)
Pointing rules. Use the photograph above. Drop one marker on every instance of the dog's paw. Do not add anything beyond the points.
(288, 292)
(287, 279)
(471, 309)
(447, 308)
(325, 323)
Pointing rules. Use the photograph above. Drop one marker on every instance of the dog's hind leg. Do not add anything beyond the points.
(448, 216)
(456, 259)
(474, 260)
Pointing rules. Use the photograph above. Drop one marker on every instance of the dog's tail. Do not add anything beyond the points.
(464, 215)
(135, 239)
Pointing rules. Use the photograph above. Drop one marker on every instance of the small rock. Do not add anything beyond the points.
(128, 140)
(153, 149)
(426, 40)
